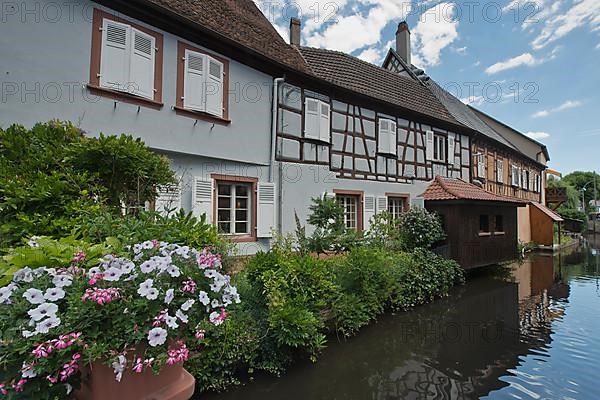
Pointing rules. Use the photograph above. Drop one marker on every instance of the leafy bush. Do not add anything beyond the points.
(331, 234)
(419, 228)
(384, 232)
(135, 313)
(52, 177)
(46, 252)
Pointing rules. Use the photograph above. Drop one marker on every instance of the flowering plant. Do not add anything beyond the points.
(143, 311)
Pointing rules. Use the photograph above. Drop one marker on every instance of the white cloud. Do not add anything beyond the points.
(460, 50)
(538, 135)
(559, 22)
(473, 100)
(564, 106)
(371, 55)
(524, 59)
(436, 29)
(358, 29)
(598, 46)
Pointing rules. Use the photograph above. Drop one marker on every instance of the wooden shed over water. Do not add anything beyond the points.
(481, 227)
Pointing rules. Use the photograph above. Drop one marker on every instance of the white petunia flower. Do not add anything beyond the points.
(27, 334)
(215, 303)
(127, 267)
(119, 367)
(169, 296)
(203, 298)
(5, 293)
(145, 287)
(54, 294)
(147, 245)
(92, 272)
(42, 311)
(23, 275)
(27, 371)
(112, 274)
(33, 241)
(171, 322)
(62, 280)
(157, 336)
(187, 305)
(173, 271)
(182, 317)
(34, 296)
(68, 388)
(47, 324)
(148, 266)
(152, 294)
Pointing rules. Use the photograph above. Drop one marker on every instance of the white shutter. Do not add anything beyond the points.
(481, 166)
(368, 211)
(451, 157)
(214, 87)
(393, 138)
(417, 202)
(311, 118)
(202, 198)
(141, 71)
(114, 62)
(265, 210)
(382, 204)
(194, 82)
(499, 171)
(429, 145)
(324, 125)
(383, 137)
(168, 201)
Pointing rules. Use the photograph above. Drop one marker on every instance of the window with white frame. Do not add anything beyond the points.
(515, 175)
(317, 115)
(350, 205)
(500, 171)
(387, 139)
(526, 182)
(396, 206)
(203, 83)
(233, 208)
(480, 165)
(127, 59)
(439, 148)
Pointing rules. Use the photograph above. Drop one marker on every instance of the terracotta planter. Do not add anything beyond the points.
(172, 383)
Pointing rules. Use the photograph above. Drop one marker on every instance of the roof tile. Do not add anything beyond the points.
(458, 189)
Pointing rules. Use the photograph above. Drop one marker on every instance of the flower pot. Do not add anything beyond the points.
(99, 383)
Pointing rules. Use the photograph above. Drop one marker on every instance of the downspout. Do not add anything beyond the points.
(276, 83)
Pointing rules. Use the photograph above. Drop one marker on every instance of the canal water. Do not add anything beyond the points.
(527, 331)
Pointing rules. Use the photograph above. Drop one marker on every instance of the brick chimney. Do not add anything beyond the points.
(295, 25)
(403, 42)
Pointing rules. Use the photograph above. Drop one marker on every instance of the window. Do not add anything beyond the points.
(233, 208)
(514, 173)
(439, 148)
(499, 224)
(480, 165)
(350, 204)
(126, 60)
(500, 171)
(317, 120)
(387, 142)
(396, 206)
(484, 224)
(202, 84)
(526, 182)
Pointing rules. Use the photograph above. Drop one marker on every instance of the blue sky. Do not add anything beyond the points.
(533, 64)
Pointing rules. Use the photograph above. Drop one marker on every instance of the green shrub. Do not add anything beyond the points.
(419, 228)
(384, 232)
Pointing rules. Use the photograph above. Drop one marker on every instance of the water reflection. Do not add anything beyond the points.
(526, 331)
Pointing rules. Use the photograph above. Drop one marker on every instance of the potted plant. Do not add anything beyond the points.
(125, 326)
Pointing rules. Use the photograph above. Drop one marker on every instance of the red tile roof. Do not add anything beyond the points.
(555, 217)
(458, 189)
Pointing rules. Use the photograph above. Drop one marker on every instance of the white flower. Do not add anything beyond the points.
(147, 245)
(47, 324)
(23, 275)
(112, 274)
(203, 298)
(182, 317)
(33, 241)
(68, 388)
(137, 248)
(42, 311)
(34, 296)
(62, 280)
(148, 266)
(53, 294)
(188, 304)
(152, 294)
(119, 367)
(173, 271)
(215, 303)
(215, 319)
(145, 287)
(27, 371)
(127, 267)
(93, 272)
(171, 322)
(210, 273)
(169, 296)
(27, 334)
(5, 293)
(157, 336)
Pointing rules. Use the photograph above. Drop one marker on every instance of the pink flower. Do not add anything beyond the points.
(189, 286)
(160, 318)
(2, 390)
(70, 368)
(101, 296)
(139, 365)
(43, 350)
(79, 257)
(52, 379)
(177, 355)
(19, 386)
(208, 260)
(200, 334)
(155, 243)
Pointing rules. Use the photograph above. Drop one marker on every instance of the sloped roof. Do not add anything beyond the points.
(240, 21)
(458, 189)
(351, 73)
(554, 216)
